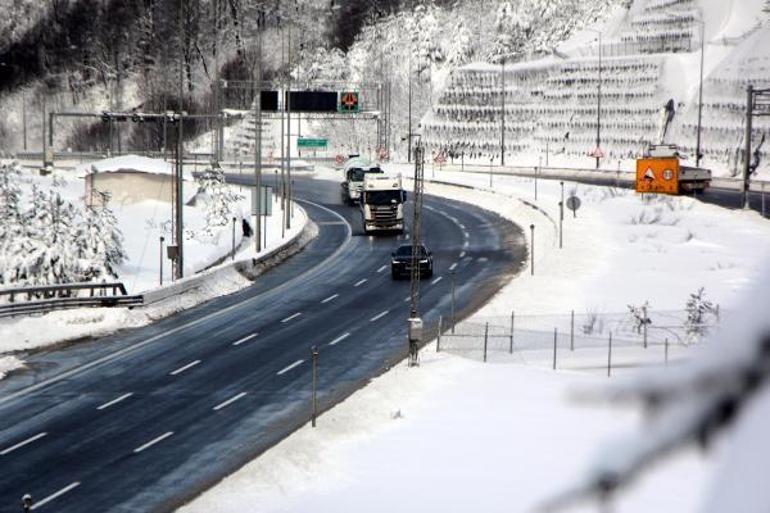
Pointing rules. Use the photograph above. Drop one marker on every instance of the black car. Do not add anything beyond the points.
(401, 262)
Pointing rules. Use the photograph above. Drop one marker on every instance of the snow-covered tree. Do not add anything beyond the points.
(218, 198)
(99, 244)
(699, 309)
(461, 45)
(513, 30)
(10, 214)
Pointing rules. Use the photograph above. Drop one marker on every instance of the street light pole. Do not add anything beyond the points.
(258, 134)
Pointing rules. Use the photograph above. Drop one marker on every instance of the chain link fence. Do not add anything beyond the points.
(602, 343)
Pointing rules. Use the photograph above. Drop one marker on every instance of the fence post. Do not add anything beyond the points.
(438, 339)
(609, 357)
(572, 331)
(513, 318)
(644, 326)
(554, 348)
(665, 345)
(486, 338)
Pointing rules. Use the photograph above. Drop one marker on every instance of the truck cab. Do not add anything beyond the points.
(382, 203)
(355, 169)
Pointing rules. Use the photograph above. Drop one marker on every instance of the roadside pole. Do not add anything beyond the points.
(314, 357)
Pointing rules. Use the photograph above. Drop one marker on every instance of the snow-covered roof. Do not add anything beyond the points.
(131, 163)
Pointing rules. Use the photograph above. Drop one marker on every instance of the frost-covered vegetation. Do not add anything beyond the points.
(47, 239)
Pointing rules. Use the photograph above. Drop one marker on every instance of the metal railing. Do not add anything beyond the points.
(46, 298)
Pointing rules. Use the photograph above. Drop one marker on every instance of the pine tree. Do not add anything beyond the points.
(218, 199)
(10, 215)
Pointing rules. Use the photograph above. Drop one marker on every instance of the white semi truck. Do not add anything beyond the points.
(355, 169)
(382, 203)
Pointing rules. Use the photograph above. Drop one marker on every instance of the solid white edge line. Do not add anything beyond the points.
(437, 280)
(21, 444)
(289, 367)
(330, 298)
(360, 282)
(339, 339)
(382, 268)
(229, 401)
(245, 339)
(379, 316)
(293, 316)
(115, 401)
(55, 495)
(184, 368)
(153, 442)
(134, 347)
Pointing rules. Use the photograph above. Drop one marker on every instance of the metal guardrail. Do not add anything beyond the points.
(42, 299)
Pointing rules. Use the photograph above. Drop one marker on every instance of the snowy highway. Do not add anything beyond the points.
(146, 419)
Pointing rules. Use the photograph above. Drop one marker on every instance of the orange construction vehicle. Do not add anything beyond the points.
(659, 171)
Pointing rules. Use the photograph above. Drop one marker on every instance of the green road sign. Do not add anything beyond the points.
(349, 101)
(305, 142)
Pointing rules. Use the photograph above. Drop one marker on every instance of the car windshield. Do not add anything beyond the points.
(407, 251)
(357, 174)
(383, 197)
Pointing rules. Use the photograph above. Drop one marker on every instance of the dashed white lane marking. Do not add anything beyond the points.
(453, 266)
(330, 298)
(437, 280)
(382, 268)
(462, 254)
(55, 495)
(407, 299)
(245, 339)
(290, 367)
(153, 442)
(229, 401)
(360, 282)
(339, 339)
(115, 401)
(462, 227)
(293, 316)
(184, 368)
(22, 443)
(379, 316)
(465, 245)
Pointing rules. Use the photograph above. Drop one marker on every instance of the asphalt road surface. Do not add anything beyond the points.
(146, 419)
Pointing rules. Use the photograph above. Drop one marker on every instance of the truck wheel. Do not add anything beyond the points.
(393, 274)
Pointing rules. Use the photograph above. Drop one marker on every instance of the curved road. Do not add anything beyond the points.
(146, 419)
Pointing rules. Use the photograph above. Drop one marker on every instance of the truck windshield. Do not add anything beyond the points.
(383, 197)
(357, 174)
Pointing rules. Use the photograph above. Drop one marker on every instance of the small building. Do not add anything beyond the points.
(129, 179)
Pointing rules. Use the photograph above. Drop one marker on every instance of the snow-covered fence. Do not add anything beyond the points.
(590, 341)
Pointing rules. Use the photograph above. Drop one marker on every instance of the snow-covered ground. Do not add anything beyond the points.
(142, 224)
(457, 435)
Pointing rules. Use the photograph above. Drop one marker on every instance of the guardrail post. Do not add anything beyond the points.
(644, 326)
(572, 331)
(609, 356)
(513, 318)
(438, 338)
(486, 338)
(555, 335)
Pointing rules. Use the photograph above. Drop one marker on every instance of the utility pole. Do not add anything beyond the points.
(178, 232)
(747, 155)
(288, 129)
(415, 323)
(502, 116)
(700, 91)
(258, 135)
(409, 94)
(599, 106)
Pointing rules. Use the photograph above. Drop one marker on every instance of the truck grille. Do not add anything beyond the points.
(385, 215)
